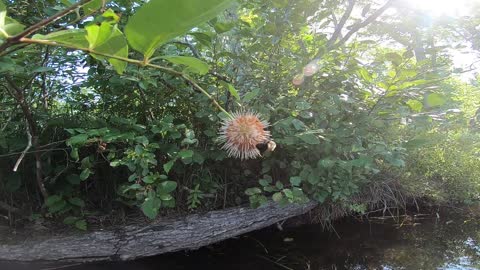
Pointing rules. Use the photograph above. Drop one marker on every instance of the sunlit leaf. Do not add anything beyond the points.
(161, 20)
(73, 37)
(309, 138)
(233, 91)
(434, 100)
(415, 105)
(93, 6)
(115, 45)
(194, 64)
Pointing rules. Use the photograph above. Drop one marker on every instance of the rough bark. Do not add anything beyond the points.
(132, 242)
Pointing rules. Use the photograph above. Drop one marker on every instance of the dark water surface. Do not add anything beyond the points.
(428, 243)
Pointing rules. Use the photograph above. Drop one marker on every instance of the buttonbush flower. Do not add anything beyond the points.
(241, 133)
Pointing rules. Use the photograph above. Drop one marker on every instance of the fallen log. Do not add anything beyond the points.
(133, 242)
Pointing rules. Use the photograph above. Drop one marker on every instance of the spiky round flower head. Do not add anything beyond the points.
(242, 132)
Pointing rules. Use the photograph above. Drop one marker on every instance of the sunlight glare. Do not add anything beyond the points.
(452, 8)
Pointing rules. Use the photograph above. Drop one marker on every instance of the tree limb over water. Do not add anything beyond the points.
(133, 242)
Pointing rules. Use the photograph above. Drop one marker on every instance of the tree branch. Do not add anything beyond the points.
(341, 23)
(32, 131)
(24, 152)
(41, 24)
(366, 22)
(132, 61)
(10, 208)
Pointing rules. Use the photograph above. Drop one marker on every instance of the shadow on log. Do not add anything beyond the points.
(133, 242)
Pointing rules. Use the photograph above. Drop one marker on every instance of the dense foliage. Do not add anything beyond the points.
(111, 104)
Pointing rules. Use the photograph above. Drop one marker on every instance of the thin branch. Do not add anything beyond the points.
(132, 61)
(198, 87)
(34, 151)
(41, 24)
(366, 22)
(341, 23)
(197, 55)
(10, 208)
(24, 152)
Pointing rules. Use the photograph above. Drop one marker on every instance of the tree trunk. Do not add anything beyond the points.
(132, 242)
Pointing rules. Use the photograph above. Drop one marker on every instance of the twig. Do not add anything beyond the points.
(274, 262)
(24, 152)
(11, 209)
(34, 151)
(341, 24)
(366, 22)
(32, 29)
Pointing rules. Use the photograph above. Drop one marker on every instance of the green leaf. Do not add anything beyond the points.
(434, 100)
(3, 13)
(52, 200)
(72, 37)
(277, 196)
(85, 174)
(168, 166)
(298, 125)
(279, 185)
(252, 191)
(116, 45)
(7, 65)
(69, 220)
(167, 186)
(309, 138)
(198, 158)
(8, 26)
(43, 69)
(165, 197)
(295, 181)
(74, 154)
(81, 225)
(397, 162)
(365, 75)
(233, 91)
(321, 196)
(57, 206)
(251, 95)
(185, 153)
(158, 21)
(98, 34)
(223, 27)
(77, 201)
(93, 6)
(265, 182)
(149, 179)
(151, 205)
(395, 58)
(111, 16)
(415, 105)
(194, 65)
(79, 139)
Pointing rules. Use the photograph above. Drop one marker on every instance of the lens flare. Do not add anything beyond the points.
(298, 80)
(310, 69)
(241, 134)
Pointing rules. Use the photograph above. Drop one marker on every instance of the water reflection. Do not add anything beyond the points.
(433, 244)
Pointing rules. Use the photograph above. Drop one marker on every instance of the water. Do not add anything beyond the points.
(427, 243)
